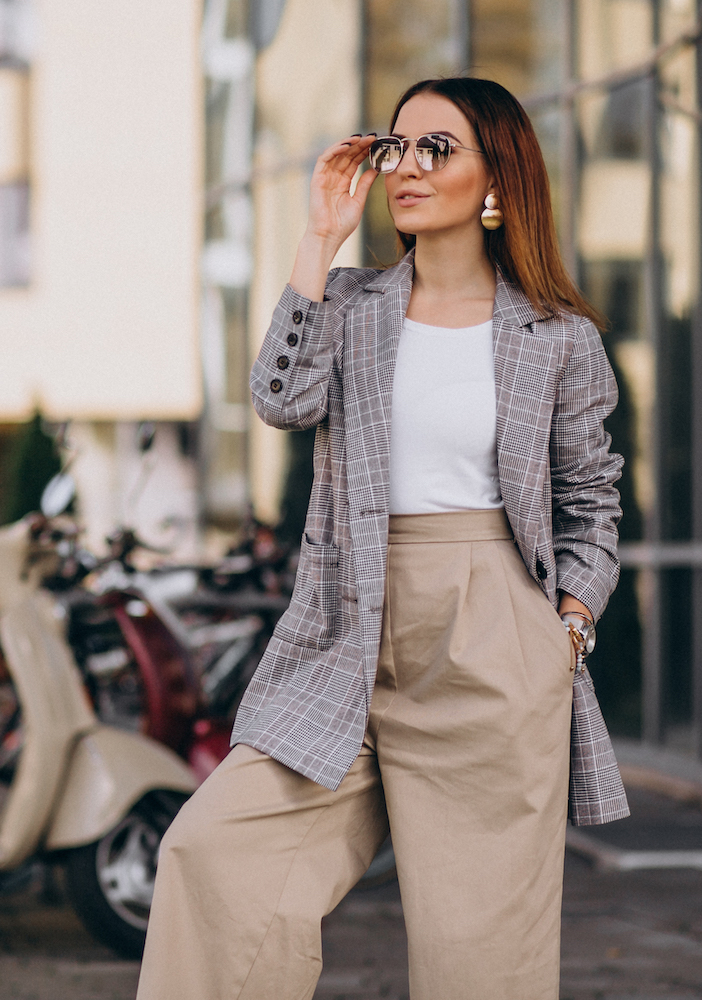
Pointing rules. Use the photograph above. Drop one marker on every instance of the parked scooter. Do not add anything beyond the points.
(73, 790)
(143, 637)
(170, 652)
(175, 673)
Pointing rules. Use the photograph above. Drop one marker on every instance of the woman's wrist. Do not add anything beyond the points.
(312, 262)
(571, 605)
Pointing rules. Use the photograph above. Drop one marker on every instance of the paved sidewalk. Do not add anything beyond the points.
(632, 913)
(631, 934)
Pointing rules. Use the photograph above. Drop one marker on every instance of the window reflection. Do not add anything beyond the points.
(619, 133)
(15, 45)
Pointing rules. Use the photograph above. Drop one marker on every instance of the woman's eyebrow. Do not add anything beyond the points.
(434, 131)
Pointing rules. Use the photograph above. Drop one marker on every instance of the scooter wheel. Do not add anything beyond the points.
(111, 881)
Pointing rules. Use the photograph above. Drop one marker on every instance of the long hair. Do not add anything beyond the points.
(525, 247)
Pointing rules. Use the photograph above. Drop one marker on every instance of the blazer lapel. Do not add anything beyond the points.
(526, 366)
(395, 288)
(373, 328)
(512, 315)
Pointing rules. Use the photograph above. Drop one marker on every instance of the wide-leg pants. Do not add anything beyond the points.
(466, 756)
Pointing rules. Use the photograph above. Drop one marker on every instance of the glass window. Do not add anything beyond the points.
(619, 128)
(15, 44)
(14, 234)
(405, 41)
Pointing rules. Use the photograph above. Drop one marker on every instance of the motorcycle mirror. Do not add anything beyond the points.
(58, 494)
(61, 436)
(145, 436)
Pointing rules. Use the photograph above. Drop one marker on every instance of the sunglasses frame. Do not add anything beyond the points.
(404, 146)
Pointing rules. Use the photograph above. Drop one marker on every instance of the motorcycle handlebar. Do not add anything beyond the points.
(124, 541)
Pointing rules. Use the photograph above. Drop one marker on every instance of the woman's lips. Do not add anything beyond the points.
(409, 198)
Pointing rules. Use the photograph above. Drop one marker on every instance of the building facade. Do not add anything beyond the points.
(100, 240)
(153, 188)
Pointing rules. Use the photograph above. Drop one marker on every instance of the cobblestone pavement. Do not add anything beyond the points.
(626, 934)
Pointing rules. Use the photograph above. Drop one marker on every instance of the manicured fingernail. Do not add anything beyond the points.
(356, 135)
(370, 133)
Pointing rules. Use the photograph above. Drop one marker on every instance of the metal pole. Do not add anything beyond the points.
(696, 436)
(462, 33)
(652, 623)
(363, 64)
(568, 152)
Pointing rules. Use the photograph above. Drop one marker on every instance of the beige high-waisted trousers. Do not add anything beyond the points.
(466, 754)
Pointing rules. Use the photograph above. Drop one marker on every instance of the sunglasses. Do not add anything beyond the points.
(432, 151)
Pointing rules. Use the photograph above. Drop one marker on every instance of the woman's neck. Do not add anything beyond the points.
(454, 282)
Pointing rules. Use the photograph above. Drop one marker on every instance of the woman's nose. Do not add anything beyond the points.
(408, 165)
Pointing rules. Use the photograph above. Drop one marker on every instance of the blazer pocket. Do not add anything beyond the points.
(311, 618)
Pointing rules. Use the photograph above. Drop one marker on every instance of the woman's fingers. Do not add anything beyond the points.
(363, 186)
(351, 150)
(365, 183)
(334, 211)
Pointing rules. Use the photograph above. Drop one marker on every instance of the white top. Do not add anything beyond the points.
(443, 452)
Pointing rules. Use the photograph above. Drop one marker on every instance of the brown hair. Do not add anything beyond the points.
(526, 246)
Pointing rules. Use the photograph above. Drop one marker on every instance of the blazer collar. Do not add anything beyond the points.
(511, 304)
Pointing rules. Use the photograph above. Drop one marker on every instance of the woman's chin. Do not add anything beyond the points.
(405, 224)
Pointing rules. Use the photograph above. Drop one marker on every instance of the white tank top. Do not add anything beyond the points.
(443, 452)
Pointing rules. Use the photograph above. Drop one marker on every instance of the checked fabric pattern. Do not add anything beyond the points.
(330, 365)
(596, 791)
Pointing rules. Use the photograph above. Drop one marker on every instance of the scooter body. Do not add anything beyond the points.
(191, 666)
(74, 780)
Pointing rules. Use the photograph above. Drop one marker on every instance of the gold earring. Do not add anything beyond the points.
(492, 217)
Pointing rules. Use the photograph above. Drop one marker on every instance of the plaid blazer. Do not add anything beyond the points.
(330, 364)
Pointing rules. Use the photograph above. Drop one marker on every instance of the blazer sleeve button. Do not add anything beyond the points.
(292, 339)
(297, 317)
(541, 570)
(276, 385)
(283, 362)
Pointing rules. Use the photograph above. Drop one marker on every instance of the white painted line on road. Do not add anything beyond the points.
(340, 980)
(371, 908)
(90, 968)
(606, 856)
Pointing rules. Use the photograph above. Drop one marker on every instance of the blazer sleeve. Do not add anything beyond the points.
(290, 378)
(585, 502)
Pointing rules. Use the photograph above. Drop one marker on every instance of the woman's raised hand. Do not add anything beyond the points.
(334, 212)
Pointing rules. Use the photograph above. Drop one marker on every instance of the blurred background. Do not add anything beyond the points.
(154, 168)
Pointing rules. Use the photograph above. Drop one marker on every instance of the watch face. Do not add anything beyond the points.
(586, 631)
(589, 636)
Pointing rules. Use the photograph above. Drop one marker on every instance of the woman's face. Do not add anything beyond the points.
(434, 201)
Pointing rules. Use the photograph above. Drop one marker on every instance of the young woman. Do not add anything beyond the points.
(422, 677)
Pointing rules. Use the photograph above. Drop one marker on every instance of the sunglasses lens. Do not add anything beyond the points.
(385, 155)
(433, 151)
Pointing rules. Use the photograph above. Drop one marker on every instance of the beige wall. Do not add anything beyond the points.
(14, 141)
(108, 327)
(308, 93)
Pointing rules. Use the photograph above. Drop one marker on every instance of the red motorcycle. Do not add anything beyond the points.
(168, 652)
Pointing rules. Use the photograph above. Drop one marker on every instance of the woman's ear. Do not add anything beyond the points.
(492, 187)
